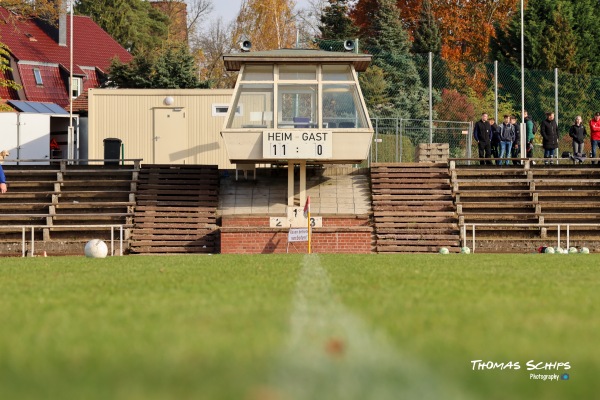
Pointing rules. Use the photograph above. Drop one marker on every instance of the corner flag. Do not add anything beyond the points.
(307, 216)
(307, 207)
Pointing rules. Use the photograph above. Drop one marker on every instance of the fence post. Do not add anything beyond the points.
(469, 141)
(397, 141)
(400, 139)
(556, 96)
(430, 97)
(376, 141)
(496, 90)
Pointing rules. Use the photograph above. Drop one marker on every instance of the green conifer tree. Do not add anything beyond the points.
(388, 42)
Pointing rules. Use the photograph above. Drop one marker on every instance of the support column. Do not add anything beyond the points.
(290, 196)
(302, 188)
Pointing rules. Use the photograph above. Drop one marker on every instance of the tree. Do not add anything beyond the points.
(135, 24)
(336, 23)
(171, 68)
(388, 42)
(427, 35)
(375, 91)
(550, 41)
(308, 20)
(268, 24)
(212, 45)
(4, 68)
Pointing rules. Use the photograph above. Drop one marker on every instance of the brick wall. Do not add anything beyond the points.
(252, 235)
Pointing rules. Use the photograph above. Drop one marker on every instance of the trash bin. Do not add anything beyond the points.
(112, 151)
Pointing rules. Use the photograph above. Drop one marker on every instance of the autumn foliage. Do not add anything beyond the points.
(466, 28)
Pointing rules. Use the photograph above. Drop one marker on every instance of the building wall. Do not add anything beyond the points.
(252, 235)
(127, 114)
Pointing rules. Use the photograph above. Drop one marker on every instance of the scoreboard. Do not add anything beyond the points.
(312, 144)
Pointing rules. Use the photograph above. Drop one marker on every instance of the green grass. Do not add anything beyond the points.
(286, 326)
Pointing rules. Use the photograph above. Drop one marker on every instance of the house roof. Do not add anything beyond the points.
(30, 40)
(234, 61)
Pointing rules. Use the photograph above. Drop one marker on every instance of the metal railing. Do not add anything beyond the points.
(32, 228)
(463, 231)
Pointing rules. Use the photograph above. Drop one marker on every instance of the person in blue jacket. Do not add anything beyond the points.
(2, 181)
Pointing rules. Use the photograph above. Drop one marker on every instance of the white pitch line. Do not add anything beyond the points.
(333, 354)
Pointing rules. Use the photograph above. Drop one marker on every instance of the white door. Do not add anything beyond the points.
(170, 136)
(8, 135)
(34, 137)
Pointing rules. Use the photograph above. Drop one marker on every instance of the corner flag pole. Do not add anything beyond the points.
(307, 215)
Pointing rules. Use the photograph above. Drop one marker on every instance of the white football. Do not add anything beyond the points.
(444, 250)
(584, 250)
(558, 250)
(573, 250)
(96, 248)
(465, 250)
(549, 250)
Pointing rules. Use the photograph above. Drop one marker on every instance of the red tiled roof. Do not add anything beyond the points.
(92, 46)
(53, 89)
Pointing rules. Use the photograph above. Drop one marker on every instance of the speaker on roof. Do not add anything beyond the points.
(349, 45)
(245, 45)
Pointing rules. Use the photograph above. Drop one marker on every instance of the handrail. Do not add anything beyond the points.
(33, 227)
(463, 231)
(72, 161)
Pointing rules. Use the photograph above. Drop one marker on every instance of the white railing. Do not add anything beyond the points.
(32, 228)
(463, 231)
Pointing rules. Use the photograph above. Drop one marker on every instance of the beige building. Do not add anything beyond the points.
(160, 126)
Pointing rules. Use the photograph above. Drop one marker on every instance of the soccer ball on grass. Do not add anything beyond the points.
(95, 248)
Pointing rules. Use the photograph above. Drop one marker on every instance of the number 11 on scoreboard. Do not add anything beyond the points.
(278, 150)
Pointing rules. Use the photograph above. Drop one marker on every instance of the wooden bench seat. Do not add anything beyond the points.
(94, 205)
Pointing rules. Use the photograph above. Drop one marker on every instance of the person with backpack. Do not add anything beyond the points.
(549, 132)
(578, 134)
(507, 137)
(530, 130)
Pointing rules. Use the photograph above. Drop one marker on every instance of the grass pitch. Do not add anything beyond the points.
(299, 327)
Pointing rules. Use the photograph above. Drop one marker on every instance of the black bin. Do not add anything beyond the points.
(112, 151)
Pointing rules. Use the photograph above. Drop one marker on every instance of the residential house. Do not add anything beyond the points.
(40, 57)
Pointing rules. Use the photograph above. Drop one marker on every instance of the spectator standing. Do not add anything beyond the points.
(578, 133)
(595, 134)
(2, 181)
(482, 134)
(507, 137)
(515, 153)
(495, 142)
(549, 132)
(529, 130)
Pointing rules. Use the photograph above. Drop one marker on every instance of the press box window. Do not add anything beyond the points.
(220, 110)
(38, 76)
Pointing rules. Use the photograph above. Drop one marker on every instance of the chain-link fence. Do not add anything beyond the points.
(396, 139)
(421, 98)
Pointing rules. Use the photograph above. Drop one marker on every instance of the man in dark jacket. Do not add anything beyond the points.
(549, 132)
(516, 152)
(578, 134)
(483, 136)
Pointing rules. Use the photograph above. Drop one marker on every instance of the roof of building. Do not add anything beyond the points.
(30, 40)
(234, 61)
